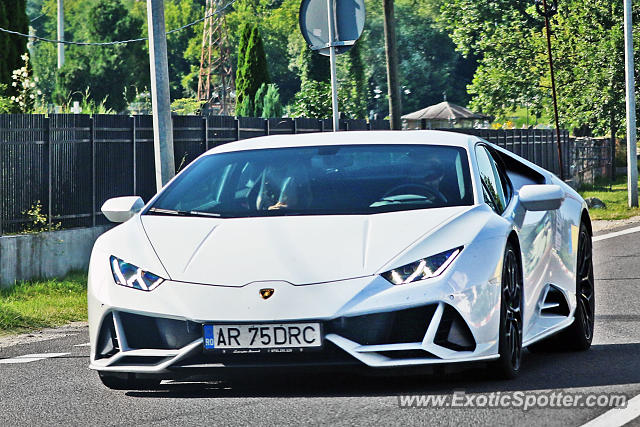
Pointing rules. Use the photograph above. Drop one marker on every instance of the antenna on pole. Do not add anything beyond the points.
(215, 80)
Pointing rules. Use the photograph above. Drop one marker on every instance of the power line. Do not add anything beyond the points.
(175, 30)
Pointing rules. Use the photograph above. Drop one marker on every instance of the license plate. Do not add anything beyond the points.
(263, 337)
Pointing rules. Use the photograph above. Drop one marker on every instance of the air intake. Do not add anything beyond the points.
(107, 344)
(453, 332)
(554, 302)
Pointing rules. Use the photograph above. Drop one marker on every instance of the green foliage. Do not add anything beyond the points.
(246, 108)
(12, 46)
(278, 23)
(313, 66)
(254, 72)
(5, 76)
(187, 106)
(43, 303)
(314, 101)
(87, 104)
(243, 46)
(6, 105)
(37, 220)
(428, 63)
(511, 39)
(258, 100)
(23, 86)
(272, 106)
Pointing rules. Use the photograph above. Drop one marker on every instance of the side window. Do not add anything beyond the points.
(492, 185)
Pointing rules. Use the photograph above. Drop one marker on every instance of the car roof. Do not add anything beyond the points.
(425, 137)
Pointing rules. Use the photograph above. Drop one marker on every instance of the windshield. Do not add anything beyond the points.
(322, 180)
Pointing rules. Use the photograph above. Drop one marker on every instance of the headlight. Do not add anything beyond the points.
(422, 269)
(129, 275)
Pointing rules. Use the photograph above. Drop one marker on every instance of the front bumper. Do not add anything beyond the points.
(428, 334)
(366, 321)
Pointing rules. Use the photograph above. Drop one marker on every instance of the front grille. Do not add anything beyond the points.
(393, 327)
(330, 354)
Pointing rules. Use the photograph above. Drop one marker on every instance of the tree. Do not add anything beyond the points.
(243, 46)
(110, 72)
(258, 100)
(14, 46)
(510, 40)
(357, 71)
(254, 71)
(272, 106)
(428, 62)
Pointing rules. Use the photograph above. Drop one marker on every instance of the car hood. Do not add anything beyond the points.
(296, 249)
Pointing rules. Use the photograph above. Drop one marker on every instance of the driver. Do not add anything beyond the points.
(434, 174)
(429, 171)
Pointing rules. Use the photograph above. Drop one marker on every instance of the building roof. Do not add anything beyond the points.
(443, 111)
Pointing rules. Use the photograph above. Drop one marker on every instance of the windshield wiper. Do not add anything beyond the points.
(161, 211)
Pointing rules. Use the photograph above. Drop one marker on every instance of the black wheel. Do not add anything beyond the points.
(579, 335)
(127, 381)
(510, 338)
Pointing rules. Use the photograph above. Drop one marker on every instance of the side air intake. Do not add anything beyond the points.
(554, 302)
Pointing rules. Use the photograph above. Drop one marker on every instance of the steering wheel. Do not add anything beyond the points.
(423, 189)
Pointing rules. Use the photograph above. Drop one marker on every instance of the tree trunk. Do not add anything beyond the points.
(395, 108)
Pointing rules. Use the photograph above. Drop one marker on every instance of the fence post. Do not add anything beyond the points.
(92, 132)
(135, 159)
(50, 178)
(267, 128)
(294, 124)
(237, 128)
(206, 133)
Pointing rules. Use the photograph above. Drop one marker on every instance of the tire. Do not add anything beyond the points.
(578, 336)
(127, 381)
(510, 334)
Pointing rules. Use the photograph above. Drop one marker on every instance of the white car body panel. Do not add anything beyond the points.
(328, 267)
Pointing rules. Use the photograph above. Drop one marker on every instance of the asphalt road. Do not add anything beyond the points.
(61, 390)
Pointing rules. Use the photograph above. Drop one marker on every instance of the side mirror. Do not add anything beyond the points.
(541, 197)
(120, 209)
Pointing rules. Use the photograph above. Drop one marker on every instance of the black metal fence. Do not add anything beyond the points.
(70, 164)
(539, 146)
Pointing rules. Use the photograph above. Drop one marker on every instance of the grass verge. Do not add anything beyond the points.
(615, 199)
(41, 304)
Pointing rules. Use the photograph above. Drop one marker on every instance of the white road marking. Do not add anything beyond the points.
(18, 360)
(83, 345)
(617, 416)
(616, 234)
(31, 358)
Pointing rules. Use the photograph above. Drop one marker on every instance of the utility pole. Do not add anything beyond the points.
(60, 33)
(632, 159)
(395, 108)
(331, 19)
(160, 97)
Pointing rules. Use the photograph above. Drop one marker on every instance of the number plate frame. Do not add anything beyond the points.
(263, 349)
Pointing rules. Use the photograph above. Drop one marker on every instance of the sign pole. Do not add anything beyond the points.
(332, 59)
(632, 159)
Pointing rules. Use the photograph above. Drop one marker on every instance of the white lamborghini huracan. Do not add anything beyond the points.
(379, 249)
